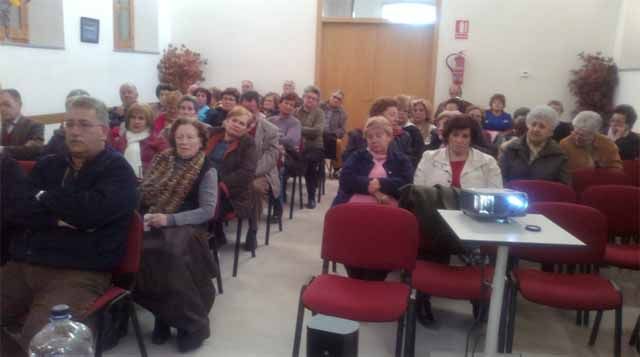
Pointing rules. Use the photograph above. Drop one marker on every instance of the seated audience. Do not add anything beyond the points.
(620, 124)
(56, 144)
(128, 96)
(586, 147)
(162, 124)
(216, 97)
(436, 141)
(388, 108)
(404, 111)
(564, 128)
(312, 122)
(458, 164)
(229, 99)
(269, 104)
(136, 140)
(477, 114)
(496, 119)
(536, 156)
(246, 86)
(187, 107)
(203, 98)
(232, 152)
(335, 119)
(421, 111)
(179, 196)
(77, 211)
(455, 92)
(267, 177)
(289, 86)
(519, 128)
(21, 137)
(162, 90)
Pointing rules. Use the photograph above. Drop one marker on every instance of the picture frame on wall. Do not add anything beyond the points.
(89, 30)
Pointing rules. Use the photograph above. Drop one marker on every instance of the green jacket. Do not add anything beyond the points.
(312, 127)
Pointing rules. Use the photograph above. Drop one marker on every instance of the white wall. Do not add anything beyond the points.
(627, 55)
(506, 37)
(44, 77)
(146, 25)
(265, 41)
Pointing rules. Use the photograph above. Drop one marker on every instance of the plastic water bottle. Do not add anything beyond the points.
(62, 337)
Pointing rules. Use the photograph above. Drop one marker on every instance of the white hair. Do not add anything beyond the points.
(87, 102)
(543, 112)
(129, 85)
(588, 120)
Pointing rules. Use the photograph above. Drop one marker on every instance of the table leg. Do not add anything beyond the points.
(495, 307)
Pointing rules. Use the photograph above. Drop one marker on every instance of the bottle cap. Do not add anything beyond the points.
(60, 312)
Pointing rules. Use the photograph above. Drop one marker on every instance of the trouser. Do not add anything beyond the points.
(259, 191)
(30, 291)
(314, 159)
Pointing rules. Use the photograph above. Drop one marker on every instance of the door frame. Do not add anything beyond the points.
(320, 20)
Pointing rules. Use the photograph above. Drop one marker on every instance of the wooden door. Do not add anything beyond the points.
(370, 60)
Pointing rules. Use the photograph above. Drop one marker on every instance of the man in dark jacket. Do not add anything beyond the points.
(77, 212)
(20, 137)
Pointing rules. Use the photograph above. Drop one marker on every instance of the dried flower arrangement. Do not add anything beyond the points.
(180, 67)
(594, 83)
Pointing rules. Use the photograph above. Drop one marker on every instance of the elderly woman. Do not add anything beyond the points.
(388, 108)
(421, 111)
(620, 124)
(269, 104)
(179, 195)
(166, 118)
(458, 164)
(496, 119)
(404, 113)
(188, 107)
(536, 156)
(586, 148)
(136, 141)
(233, 153)
(436, 141)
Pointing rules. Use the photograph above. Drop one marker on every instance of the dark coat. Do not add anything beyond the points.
(354, 175)
(402, 143)
(629, 146)
(550, 165)
(98, 200)
(26, 140)
(237, 170)
(562, 131)
(56, 144)
(215, 117)
(417, 144)
(12, 190)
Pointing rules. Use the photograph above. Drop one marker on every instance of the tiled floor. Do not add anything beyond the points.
(256, 314)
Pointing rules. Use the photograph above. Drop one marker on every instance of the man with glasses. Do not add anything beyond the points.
(77, 209)
(312, 121)
(21, 137)
(229, 99)
(335, 119)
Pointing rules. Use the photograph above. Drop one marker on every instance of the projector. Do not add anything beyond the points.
(493, 204)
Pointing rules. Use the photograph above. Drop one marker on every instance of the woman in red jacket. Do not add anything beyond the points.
(136, 141)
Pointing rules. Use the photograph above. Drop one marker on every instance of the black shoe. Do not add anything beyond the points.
(423, 311)
(251, 242)
(311, 204)
(220, 238)
(161, 332)
(188, 342)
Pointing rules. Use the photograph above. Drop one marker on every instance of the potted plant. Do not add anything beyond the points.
(180, 67)
(594, 83)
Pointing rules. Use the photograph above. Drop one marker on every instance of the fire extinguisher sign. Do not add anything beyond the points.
(462, 29)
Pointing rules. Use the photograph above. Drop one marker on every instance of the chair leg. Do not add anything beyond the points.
(269, 213)
(216, 258)
(136, 327)
(410, 335)
(635, 335)
(99, 332)
(297, 336)
(293, 197)
(280, 222)
(236, 253)
(334, 267)
(300, 192)
(400, 335)
(617, 335)
(596, 327)
(511, 324)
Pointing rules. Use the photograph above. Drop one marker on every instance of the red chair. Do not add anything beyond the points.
(621, 206)
(632, 169)
(581, 179)
(27, 166)
(116, 294)
(582, 292)
(544, 191)
(364, 236)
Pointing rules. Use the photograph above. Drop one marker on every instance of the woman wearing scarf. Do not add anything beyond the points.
(179, 195)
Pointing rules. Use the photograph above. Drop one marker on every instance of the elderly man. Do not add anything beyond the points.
(77, 211)
(455, 92)
(128, 96)
(312, 121)
(267, 176)
(289, 86)
(246, 85)
(21, 137)
(229, 99)
(335, 119)
(586, 148)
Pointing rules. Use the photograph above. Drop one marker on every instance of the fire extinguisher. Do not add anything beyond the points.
(457, 67)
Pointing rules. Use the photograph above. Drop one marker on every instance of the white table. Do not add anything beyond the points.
(488, 233)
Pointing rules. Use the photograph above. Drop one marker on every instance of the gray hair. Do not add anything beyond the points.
(543, 112)
(74, 93)
(588, 120)
(312, 89)
(86, 102)
(129, 85)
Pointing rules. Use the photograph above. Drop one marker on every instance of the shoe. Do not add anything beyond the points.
(161, 332)
(220, 238)
(251, 242)
(188, 342)
(423, 311)
(311, 204)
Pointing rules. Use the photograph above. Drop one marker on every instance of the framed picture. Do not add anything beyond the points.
(89, 30)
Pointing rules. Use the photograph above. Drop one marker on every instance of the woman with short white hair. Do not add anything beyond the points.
(536, 156)
(586, 147)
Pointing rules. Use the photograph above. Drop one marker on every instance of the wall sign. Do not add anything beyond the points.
(462, 29)
(89, 30)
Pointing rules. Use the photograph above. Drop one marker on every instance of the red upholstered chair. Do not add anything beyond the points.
(364, 236)
(621, 206)
(581, 179)
(583, 292)
(27, 166)
(632, 169)
(115, 294)
(544, 191)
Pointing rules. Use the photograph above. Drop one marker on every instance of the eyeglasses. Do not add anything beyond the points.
(81, 124)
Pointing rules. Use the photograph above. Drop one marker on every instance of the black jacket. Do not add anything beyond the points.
(354, 175)
(215, 117)
(550, 165)
(417, 144)
(12, 188)
(629, 146)
(98, 200)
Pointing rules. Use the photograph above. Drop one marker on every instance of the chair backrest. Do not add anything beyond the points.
(26, 166)
(584, 178)
(370, 236)
(632, 169)
(585, 223)
(620, 204)
(131, 261)
(544, 191)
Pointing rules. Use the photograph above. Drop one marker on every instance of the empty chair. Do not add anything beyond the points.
(621, 206)
(584, 178)
(632, 169)
(544, 191)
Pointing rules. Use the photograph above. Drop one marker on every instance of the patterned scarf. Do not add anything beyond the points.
(167, 183)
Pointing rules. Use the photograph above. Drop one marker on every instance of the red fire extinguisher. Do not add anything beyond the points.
(457, 67)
